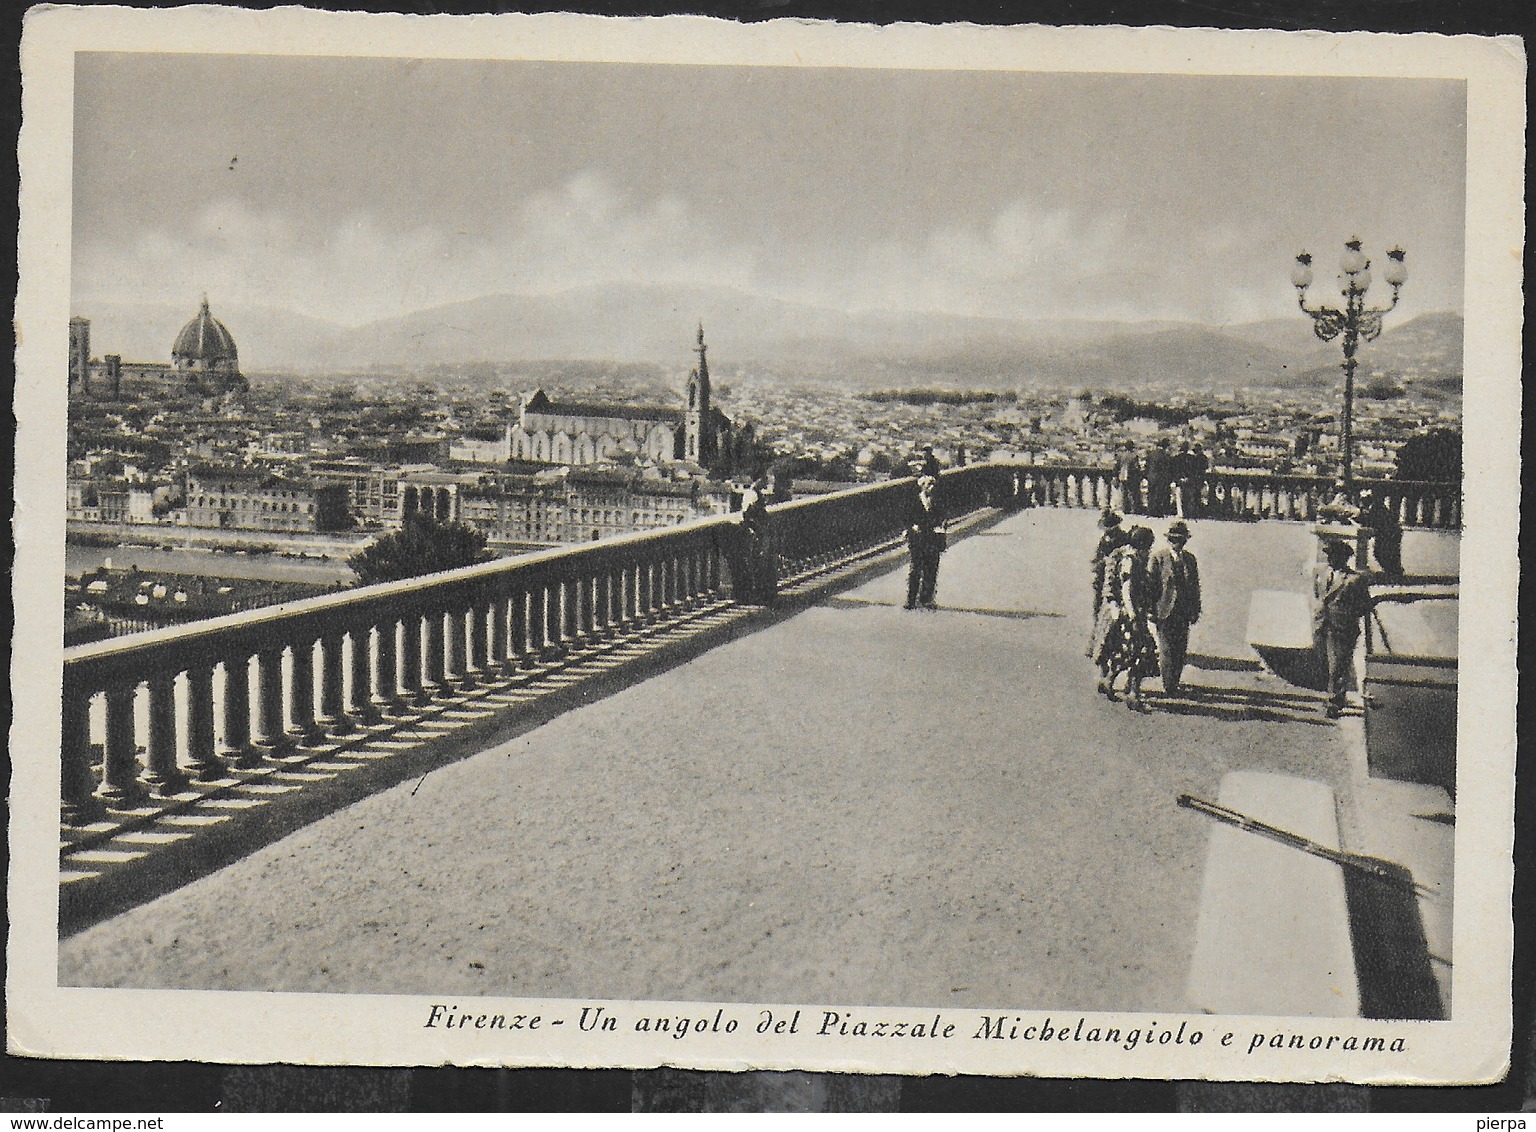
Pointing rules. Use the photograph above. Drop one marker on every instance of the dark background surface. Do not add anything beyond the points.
(191, 1087)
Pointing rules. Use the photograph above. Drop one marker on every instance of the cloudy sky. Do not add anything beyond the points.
(356, 189)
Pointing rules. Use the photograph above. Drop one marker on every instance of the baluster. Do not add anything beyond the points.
(364, 710)
(589, 608)
(473, 673)
(271, 735)
(301, 695)
(538, 623)
(333, 709)
(597, 586)
(699, 574)
(650, 588)
(580, 593)
(435, 678)
(162, 774)
(570, 601)
(120, 785)
(238, 748)
(77, 776)
(492, 652)
(661, 573)
(205, 762)
(626, 596)
(519, 646)
(685, 590)
(410, 661)
(613, 601)
(456, 646)
(388, 699)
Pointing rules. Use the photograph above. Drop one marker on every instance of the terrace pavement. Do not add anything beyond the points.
(856, 804)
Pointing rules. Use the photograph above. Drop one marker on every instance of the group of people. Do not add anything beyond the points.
(1162, 482)
(1146, 596)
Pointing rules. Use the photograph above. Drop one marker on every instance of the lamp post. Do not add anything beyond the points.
(1354, 322)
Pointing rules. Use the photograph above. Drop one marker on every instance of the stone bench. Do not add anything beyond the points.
(1273, 936)
(1280, 631)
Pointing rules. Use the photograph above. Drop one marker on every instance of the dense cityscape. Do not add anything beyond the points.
(196, 454)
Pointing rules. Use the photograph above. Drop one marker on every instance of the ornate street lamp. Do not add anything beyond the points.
(1355, 321)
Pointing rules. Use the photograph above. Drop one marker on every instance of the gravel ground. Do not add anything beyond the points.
(860, 805)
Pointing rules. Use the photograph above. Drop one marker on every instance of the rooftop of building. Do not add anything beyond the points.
(205, 339)
(540, 402)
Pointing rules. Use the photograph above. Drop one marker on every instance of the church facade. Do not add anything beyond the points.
(575, 433)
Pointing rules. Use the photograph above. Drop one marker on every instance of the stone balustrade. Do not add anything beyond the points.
(1244, 495)
(144, 716)
(198, 701)
(824, 529)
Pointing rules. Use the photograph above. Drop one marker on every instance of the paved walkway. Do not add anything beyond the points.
(859, 804)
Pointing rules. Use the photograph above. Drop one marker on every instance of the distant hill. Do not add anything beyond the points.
(655, 323)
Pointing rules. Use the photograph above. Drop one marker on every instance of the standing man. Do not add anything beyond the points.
(931, 465)
(1175, 583)
(1386, 531)
(1199, 464)
(926, 542)
(1343, 597)
(1181, 480)
(1159, 471)
(1128, 476)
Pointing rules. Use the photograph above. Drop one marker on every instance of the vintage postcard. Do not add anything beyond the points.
(550, 540)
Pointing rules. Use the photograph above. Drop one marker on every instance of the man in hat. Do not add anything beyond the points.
(1386, 531)
(1343, 597)
(1175, 584)
(1128, 477)
(926, 542)
(930, 466)
(1158, 469)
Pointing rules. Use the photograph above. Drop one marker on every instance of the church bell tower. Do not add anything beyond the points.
(698, 429)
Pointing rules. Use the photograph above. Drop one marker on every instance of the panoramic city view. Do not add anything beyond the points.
(994, 547)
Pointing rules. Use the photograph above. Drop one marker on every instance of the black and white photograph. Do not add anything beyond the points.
(568, 541)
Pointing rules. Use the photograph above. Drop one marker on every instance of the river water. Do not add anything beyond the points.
(187, 560)
(264, 567)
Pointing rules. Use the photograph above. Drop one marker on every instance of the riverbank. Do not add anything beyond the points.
(168, 536)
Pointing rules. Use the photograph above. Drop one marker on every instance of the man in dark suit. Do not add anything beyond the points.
(1175, 582)
(1128, 476)
(926, 541)
(1158, 468)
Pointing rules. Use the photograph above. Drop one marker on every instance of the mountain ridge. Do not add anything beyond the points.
(656, 323)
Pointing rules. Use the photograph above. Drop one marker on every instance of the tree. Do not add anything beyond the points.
(1432, 455)
(421, 546)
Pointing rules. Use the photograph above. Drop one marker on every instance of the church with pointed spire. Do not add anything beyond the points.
(576, 433)
(701, 443)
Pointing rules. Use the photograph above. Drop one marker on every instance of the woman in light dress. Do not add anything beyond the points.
(1123, 641)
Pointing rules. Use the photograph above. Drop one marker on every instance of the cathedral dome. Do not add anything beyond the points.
(205, 344)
